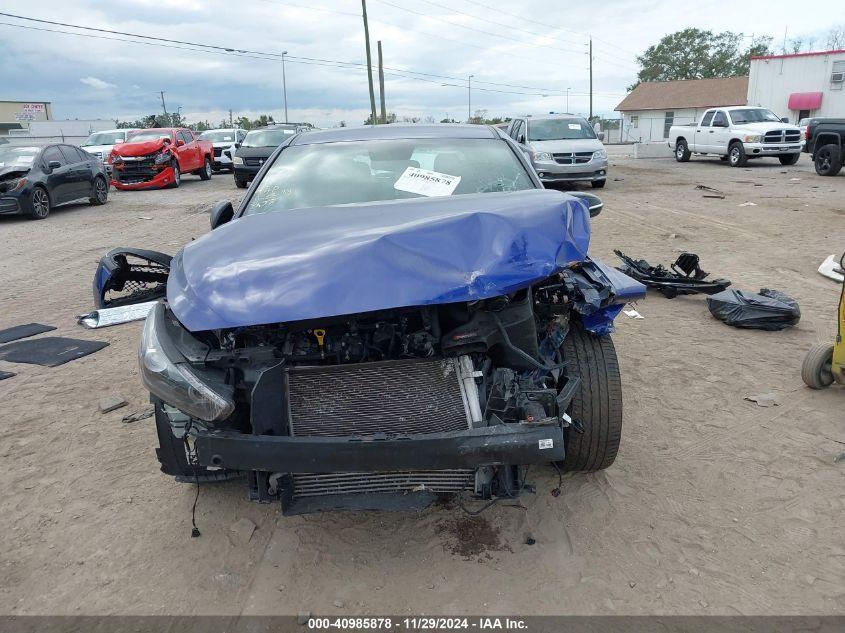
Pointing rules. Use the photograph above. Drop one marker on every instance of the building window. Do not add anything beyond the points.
(635, 121)
(667, 123)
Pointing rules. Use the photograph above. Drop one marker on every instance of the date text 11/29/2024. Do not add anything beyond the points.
(418, 624)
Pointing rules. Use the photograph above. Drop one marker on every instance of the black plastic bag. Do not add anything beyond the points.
(769, 310)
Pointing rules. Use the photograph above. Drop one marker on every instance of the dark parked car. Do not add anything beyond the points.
(826, 145)
(33, 180)
(393, 313)
(256, 148)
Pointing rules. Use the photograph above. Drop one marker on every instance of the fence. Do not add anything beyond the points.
(639, 129)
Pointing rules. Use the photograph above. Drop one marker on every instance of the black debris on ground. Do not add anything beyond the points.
(49, 351)
(23, 331)
(472, 536)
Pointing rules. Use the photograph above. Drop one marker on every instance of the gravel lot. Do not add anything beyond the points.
(714, 505)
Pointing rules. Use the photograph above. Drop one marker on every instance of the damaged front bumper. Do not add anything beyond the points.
(522, 444)
(136, 181)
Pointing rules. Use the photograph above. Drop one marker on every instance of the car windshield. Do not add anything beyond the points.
(268, 138)
(753, 115)
(218, 136)
(559, 130)
(104, 138)
(148, 135)
(365, 171)
(17, 156)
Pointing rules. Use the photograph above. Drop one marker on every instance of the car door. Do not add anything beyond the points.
(79, 173)
(59, 180)
(720, 133)
(702, 132)
(192, 150)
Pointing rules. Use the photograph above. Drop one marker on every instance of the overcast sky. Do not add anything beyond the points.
(536, 47)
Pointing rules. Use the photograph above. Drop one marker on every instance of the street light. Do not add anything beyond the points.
(285, 85)
(567, 100)
(469, 98)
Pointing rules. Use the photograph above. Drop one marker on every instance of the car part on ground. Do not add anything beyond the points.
(48, 351)
(769, 310)
(825, 362)
(24, 331)
(106, 317)
(347, 347)
(127, 276)
(685, 276)
(833, 269)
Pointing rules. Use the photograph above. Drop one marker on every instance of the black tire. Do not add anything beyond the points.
(205, 172)
(177, 175)
(828, 160)
(597, 403)
(682, 152)
(598, 184)
(241, 183)
(39, 203)
(736, 155)
(789, 159)
(100, 191)
(171, 455)
(816, 369)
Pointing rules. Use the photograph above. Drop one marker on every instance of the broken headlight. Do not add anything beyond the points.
(162, 158)
(168, 375)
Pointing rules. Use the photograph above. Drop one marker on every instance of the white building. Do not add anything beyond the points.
(800, 85)
(653, 107)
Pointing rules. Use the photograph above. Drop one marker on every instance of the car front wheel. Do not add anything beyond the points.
(40, 205)
(736, 155)
(598, 184)
(789, 159)
(597, 403)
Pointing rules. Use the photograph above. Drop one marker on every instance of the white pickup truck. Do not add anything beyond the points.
(736, 134)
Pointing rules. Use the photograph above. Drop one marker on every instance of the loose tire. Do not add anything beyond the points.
(241, 183)
(598, 184)
(682, 152)
(789, 159)
(597, 403)
(100, 191)
(736, 155)
(828, 160)
(171, 455)
(205, 172)
(177, 175)
(40, 204)
(816, 371)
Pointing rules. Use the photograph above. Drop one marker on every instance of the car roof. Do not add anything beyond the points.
(394, 132)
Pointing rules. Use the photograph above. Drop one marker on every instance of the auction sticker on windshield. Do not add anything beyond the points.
(426, 183)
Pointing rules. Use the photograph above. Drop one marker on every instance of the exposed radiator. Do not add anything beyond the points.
(405, 396)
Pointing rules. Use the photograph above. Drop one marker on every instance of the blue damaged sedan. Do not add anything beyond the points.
(393, 313)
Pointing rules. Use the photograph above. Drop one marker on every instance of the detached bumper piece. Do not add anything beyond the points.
(684, 277)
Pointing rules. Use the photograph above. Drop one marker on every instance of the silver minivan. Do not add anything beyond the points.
(562, 148)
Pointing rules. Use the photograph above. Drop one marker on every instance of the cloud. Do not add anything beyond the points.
(97, 84)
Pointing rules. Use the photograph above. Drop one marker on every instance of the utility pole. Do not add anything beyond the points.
(369, 63)
(567, 100)
(381, 84)
(469, 98)
(285, 85)
(591, 79)
(231, 121)
(163, 107)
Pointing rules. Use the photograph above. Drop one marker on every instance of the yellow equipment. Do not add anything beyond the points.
(826, 362)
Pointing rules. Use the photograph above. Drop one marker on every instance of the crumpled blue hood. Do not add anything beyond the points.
(329, 261)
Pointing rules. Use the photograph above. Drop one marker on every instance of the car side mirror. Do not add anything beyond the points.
(237, 145)
(180, 143)
(221, 213)
(594, 203)
(601, 136)
(785, 119)
(53, 164)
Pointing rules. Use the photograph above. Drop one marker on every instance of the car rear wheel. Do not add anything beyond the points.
(39, 203)
(205, 172)
(736, 155)
(816, 371)
(598, 184)
(597, 403)
(828, 160)
(682, 152)
(100, 191)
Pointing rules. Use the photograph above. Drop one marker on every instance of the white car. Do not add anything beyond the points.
(100, 144)
(736, 134)
(224, 141)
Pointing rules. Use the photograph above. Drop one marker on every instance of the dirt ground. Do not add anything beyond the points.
(714, 505)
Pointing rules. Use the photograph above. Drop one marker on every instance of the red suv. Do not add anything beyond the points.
(156, 158)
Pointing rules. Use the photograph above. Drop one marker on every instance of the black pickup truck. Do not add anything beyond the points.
(825, 144)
